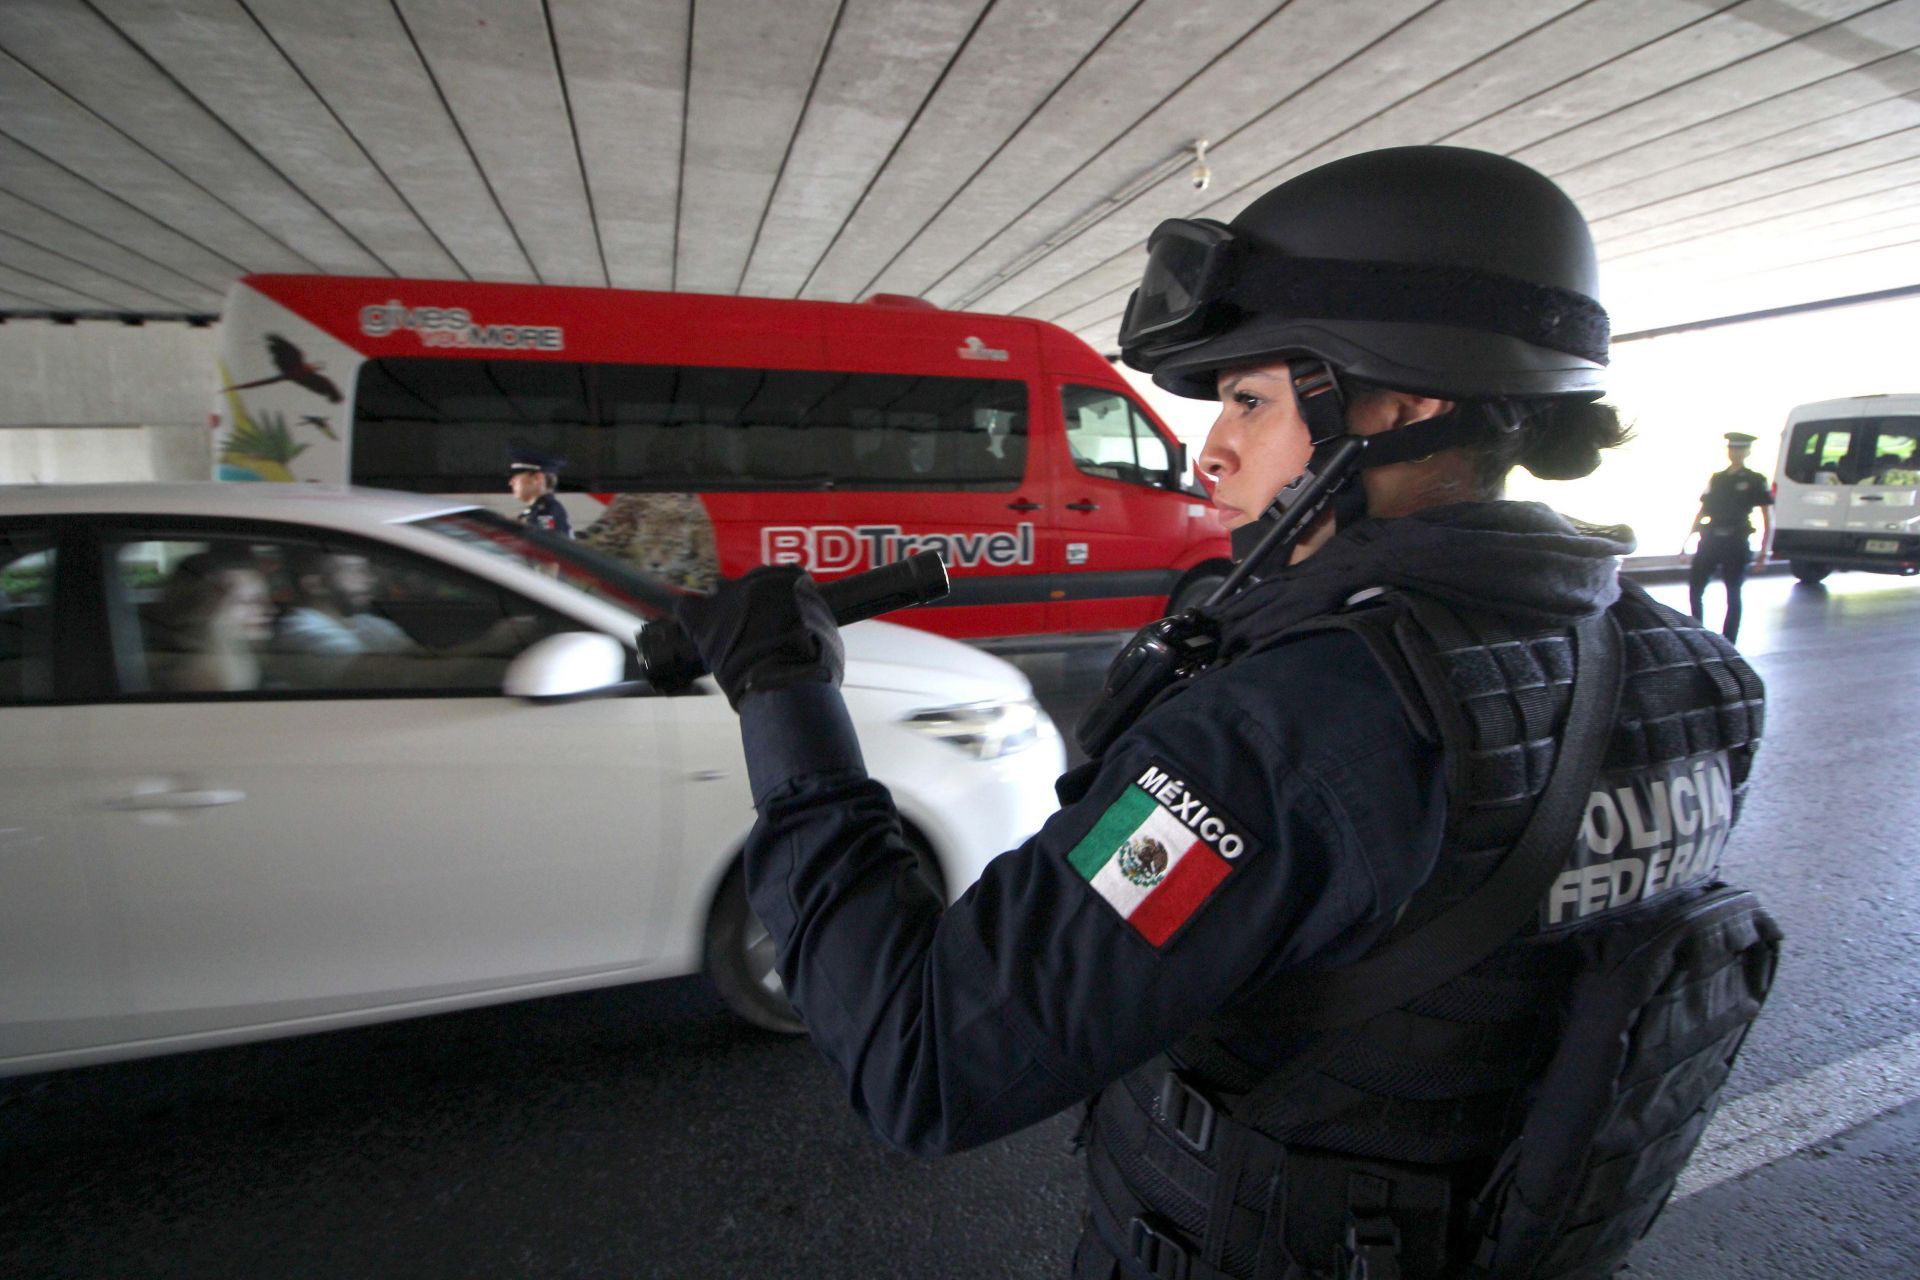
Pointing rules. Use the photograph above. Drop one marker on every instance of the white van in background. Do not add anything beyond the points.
(1846, 485)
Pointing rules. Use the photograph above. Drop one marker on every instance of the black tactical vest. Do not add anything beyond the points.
(1254, 1149)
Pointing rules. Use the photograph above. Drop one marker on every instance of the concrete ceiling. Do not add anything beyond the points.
(999, 155)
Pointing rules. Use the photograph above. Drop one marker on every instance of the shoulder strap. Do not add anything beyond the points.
(1474, 929)
(1376, 624)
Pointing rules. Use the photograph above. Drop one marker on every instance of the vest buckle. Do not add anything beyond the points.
(1372, 1249)
(1187, 1111)
(1163, 1256)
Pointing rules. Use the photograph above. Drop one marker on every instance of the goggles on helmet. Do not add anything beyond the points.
(1189, 270)
(1197, 285)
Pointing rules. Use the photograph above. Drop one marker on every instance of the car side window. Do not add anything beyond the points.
(1110, 437)
(233, 615)
(26, 615)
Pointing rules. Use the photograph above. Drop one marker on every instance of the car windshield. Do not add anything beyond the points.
(580, 567)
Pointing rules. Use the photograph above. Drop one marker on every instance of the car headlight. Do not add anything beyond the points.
(985, 730)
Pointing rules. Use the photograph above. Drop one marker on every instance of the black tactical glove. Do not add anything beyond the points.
(768, 630)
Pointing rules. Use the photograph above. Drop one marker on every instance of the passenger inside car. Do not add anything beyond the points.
(204, 635)
(355, 624)
(333, 611)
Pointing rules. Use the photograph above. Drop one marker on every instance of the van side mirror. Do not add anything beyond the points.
(1182, 479)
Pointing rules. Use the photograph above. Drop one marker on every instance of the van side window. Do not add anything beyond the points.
(1817, 453)
(1111, 438)
(1894, 455)
(1877, 451)
(445, 426)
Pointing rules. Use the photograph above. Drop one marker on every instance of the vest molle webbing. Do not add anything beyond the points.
(1246, 1153)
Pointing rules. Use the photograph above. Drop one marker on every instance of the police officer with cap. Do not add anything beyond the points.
(1724, 523)
(1379, 723)
(532, 477)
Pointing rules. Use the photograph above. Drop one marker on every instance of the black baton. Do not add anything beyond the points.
(671, 663)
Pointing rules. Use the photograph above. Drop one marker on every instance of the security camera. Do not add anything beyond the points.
(1200, 175)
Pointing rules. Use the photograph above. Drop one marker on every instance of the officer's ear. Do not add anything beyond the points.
(1377, 409)
(1411, 408)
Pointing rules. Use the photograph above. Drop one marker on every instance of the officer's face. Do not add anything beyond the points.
(1258, 444)
(527, 485)
(1737, 454)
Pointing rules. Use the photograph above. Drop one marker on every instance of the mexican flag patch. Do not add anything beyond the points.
(1157, 853)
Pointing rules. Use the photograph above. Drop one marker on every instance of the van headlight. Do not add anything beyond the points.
(985, 730)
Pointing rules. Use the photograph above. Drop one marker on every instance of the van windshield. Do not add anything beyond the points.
(446, 426)
(1849, 451)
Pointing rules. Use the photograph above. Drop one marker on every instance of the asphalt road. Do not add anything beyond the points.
(644, 1132)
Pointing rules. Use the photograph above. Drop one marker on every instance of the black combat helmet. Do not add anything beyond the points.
(1437, 270)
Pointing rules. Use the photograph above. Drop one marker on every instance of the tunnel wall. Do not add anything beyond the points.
(100, 400)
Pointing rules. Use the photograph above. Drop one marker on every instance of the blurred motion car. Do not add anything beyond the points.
(207, 838)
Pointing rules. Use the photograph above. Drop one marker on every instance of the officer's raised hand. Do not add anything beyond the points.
(767, 630)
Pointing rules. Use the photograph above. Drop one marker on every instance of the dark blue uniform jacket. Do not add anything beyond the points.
(1730, 500)
(546, 512)
(954, 1027)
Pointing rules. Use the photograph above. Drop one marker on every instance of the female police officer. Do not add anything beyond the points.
(1331, 781)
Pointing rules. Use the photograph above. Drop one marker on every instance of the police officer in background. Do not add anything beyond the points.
(1724, 523)
(1370, 742)
(532, 477)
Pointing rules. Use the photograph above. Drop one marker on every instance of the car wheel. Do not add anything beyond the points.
(740, 952)
(1810, 570)
(1194, 590)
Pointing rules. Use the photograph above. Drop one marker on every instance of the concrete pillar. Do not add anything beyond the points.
(99, 400)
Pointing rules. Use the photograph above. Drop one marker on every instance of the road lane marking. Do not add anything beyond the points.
(1763, 1127)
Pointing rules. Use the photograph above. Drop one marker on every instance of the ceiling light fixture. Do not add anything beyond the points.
(1191, 158)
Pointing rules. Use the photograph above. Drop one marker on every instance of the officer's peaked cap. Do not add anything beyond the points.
(524, 459)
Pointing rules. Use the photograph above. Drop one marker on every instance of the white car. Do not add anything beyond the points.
(215, 828)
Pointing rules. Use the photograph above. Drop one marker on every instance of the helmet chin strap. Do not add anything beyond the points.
(1416, 440)
(1322, 402)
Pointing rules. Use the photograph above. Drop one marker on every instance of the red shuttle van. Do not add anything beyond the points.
(705, 435)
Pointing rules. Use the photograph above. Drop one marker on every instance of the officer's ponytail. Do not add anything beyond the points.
(1556, 438)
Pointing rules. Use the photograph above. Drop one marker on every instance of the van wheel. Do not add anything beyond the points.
(739, 951)
(1810, 570)
(1194, 590)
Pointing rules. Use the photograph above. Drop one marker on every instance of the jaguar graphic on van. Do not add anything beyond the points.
(704, 435)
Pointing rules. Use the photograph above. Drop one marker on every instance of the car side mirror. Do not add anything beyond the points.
(573, 664)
